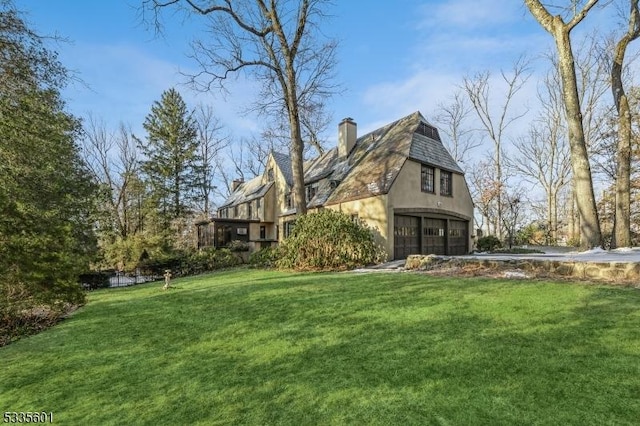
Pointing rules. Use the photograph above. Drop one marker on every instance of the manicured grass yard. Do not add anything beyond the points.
(257, 347)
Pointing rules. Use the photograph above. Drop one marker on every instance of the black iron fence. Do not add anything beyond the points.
(111, 278)
(121, 279)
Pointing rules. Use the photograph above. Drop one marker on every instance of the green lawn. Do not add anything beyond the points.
(255, 347)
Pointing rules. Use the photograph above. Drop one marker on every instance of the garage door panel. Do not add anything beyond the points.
(433, 236)
(406, 236)
(458, 237)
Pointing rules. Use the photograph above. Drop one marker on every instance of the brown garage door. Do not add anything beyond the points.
(458, 237)
(406, 236)
(433, 236)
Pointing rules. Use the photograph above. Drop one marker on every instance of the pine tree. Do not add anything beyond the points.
(46, 194)
(169, 154)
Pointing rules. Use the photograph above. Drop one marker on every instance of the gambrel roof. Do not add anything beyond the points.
(377, 157)
(372, 165)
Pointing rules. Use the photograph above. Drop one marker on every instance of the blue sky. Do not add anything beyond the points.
(395, 57)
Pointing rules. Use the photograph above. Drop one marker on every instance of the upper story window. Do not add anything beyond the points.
(270, 174)
(445, 183)
(428, 179)
(311, 191)
(249, 210)
(258, 204)
(235, 211)
(288, 200)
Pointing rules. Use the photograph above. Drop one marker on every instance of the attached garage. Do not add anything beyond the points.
(433, 236)
(458, 237)
(429, 235)
(406, 235)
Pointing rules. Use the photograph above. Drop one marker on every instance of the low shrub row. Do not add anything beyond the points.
(183, 263)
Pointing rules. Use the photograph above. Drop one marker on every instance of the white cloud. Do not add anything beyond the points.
(469, 14)
(120, 82)
(421, 91)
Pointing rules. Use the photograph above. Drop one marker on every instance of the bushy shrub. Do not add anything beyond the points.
(266, 257)
(27, 308)
(189, 262)
(157, 265)
(328, 240)
(211, 259)
(533, 234)
(237, 245)
(95, 279)
(488, 243)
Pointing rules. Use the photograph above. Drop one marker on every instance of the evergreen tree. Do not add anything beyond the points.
(170, 154)
(46, 193)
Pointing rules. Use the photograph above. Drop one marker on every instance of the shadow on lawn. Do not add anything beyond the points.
(366, 365)
(344, 348)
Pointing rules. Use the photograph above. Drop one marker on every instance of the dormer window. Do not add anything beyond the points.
(311, 191)
(428, 131)
(333, 184)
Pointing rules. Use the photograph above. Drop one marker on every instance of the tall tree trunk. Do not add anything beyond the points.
(297, 146)
(590, 235)
(554, 218)
(622, 217)
(499, 210)
(622, 220)
(296, 166)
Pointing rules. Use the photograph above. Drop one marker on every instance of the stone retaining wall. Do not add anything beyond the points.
(596, 271)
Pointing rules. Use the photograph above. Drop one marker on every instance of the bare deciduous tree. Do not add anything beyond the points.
(494, 123)
(484, 191)
(622, 217)
(590, 235)
(277, 43)
(453, 119)
(543, 153)
(113, 160)
(210, 145)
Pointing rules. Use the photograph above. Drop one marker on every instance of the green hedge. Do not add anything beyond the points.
(183, 263)
(488, 243)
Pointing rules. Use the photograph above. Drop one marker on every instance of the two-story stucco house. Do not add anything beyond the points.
(399, 179)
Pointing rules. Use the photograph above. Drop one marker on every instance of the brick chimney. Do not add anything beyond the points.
(236, 183)
(347, 135)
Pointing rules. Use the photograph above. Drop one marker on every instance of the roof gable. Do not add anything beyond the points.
(247, 191)
(370, 168)
(283, 161)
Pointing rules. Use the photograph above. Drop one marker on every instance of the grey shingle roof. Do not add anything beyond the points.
(247, 191)
(429, 151)
(369, 170)
(377, 157)
(284, 164)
